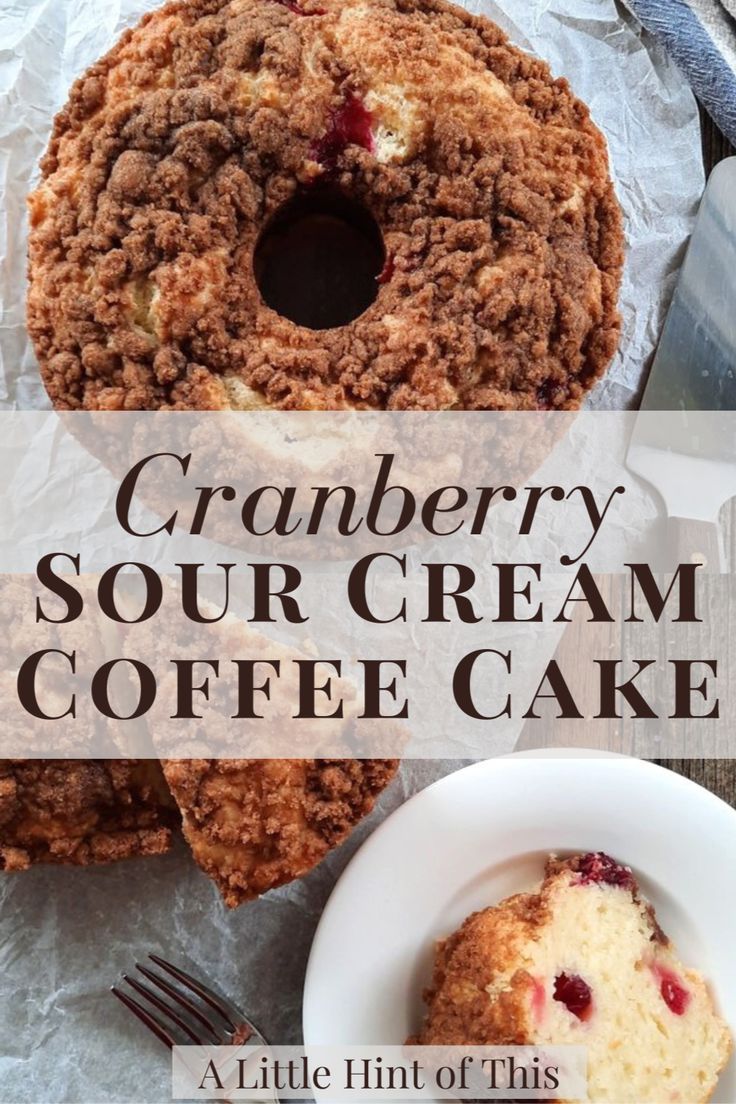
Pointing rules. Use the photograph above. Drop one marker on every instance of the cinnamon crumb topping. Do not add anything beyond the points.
(487, 177)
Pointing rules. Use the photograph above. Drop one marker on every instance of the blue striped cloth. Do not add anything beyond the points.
(701, 37)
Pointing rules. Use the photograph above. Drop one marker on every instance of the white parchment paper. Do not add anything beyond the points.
(66, 934)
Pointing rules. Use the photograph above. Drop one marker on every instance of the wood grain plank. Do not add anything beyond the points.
(718, 775)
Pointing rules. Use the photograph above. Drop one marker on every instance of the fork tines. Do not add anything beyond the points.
(174, 1017)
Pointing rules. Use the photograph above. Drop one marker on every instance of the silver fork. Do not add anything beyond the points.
(188, 1013)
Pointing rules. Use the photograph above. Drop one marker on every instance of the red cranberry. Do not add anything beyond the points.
(674, 995)
(349, 125)
(387, 271)
(597, 868)
(539, 1000)
(575, 994)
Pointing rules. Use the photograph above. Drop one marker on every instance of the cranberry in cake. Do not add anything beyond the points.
(582, 961)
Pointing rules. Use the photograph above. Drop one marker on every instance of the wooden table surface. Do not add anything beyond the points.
(718, 775)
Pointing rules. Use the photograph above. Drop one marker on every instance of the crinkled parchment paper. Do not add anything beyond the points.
(66, 934)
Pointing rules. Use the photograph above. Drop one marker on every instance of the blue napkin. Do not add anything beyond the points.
(700, 35)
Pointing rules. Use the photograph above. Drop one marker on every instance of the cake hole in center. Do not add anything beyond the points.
(319, 260)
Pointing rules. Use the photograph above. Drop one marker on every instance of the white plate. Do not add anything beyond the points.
(482, 833)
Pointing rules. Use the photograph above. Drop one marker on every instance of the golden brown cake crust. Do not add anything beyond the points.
(466, 966)
(487, 177)
(80, 812)
(254, 824)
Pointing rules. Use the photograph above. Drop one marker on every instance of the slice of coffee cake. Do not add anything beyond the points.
(582, 961)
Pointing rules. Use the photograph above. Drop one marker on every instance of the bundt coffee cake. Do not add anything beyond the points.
(218, 148)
